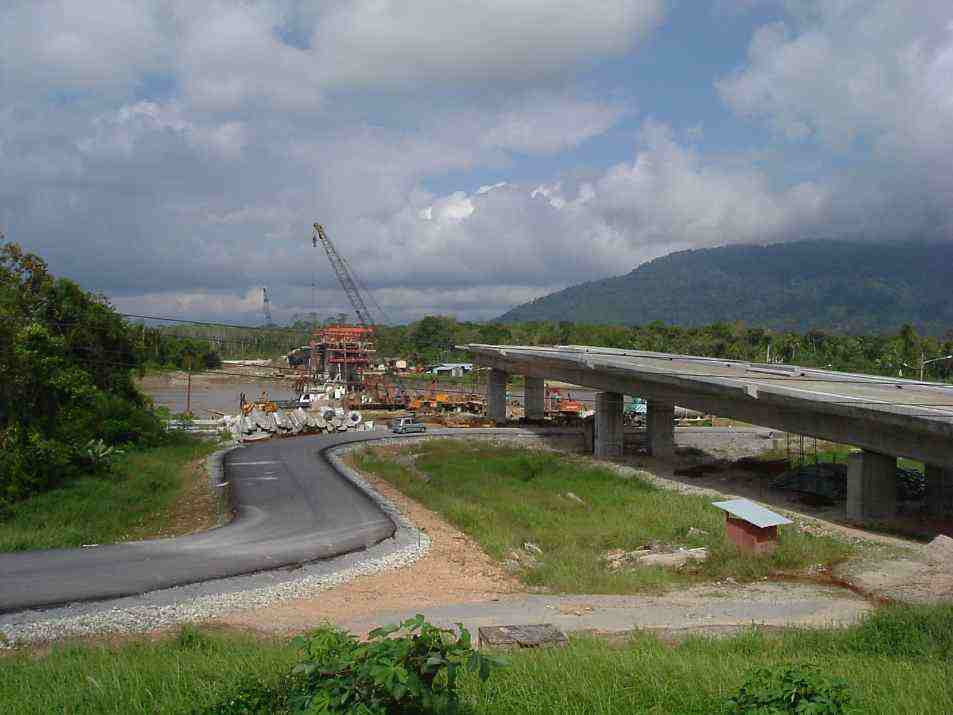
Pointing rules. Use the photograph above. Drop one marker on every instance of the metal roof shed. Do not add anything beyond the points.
(750, 526)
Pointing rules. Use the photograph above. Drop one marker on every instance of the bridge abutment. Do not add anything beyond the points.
(608, 425)
(871, 486)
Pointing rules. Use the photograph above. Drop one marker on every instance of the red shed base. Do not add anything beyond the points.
(750, 538)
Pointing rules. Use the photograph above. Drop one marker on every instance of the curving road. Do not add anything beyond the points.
(291, 507)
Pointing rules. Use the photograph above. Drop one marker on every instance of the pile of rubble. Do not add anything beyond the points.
(258, 424)
(654, 554)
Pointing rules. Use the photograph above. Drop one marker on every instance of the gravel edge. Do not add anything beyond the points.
(406, 547)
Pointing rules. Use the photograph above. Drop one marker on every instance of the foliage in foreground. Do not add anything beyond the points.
(796, 689)
(408, 668)
(899, 660)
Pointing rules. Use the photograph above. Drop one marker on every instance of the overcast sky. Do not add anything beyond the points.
(464, 156)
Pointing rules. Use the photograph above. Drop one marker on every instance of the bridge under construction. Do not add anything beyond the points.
(885, 417)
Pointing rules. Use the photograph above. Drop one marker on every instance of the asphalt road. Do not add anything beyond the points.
(292, 507)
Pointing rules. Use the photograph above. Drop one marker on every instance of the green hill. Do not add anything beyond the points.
(852, 287)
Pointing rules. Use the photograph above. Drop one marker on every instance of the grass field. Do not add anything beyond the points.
(505, 496)
(900, 660)
(136, 501)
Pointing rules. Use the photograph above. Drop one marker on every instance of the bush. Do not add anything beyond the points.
(407, 668)
(390, 673)
(799, 689)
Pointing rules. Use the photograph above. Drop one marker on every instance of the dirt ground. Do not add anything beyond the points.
(455, 570)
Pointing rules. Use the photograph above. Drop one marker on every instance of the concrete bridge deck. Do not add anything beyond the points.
(886, 417)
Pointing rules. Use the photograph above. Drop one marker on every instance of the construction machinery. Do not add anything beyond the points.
(345, 276)
(343, 352)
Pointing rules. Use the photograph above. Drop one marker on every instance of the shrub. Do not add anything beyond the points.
(798, 689)
(406, 668)
(411, 667)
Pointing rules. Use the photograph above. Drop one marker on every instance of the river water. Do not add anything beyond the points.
(216, 397)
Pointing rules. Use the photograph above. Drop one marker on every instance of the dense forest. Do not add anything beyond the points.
(840, 286)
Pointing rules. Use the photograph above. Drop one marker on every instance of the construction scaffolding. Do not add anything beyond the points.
(341, 354)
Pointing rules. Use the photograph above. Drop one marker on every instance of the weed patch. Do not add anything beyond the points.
(221, 673)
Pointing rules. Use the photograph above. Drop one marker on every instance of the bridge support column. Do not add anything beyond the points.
(589, 435)
(939, 495)
(609, 435)
(496, 396)
(660, 428)
(534, 398)
(871, 486)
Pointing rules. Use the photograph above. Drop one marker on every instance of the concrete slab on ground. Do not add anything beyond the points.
(702, 608)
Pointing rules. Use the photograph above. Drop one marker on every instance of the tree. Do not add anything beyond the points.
(66, 362)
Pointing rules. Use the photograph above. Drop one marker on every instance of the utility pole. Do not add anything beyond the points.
(188, 390)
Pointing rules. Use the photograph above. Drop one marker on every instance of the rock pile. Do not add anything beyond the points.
(654, 555)
(258, 425)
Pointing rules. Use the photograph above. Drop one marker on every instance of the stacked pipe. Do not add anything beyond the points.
(258, 425)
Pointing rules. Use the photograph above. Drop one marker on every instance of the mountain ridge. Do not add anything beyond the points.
(843, 286)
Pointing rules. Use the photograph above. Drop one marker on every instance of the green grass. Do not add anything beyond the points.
(182, 675)
(504, 496)
(131, 502)
(899, 660)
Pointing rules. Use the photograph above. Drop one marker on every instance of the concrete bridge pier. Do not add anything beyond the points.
(660, 428)
(939, 495)
(496, 396)
(608, 425)
(871, 486)
(534, 398)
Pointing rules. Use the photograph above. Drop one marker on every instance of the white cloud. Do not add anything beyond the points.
(841, 71)
(224, 55)
(374, 42)
(545, 124)
(95, 44)
(120, 133)
(670, 193)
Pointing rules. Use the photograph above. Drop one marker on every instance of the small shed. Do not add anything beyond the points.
(750, 526)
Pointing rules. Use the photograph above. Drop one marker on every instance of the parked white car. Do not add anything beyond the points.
(403, 425)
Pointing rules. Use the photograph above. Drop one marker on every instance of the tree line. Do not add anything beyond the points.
(899, 354)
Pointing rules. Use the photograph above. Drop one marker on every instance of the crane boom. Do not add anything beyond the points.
(344, 276)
